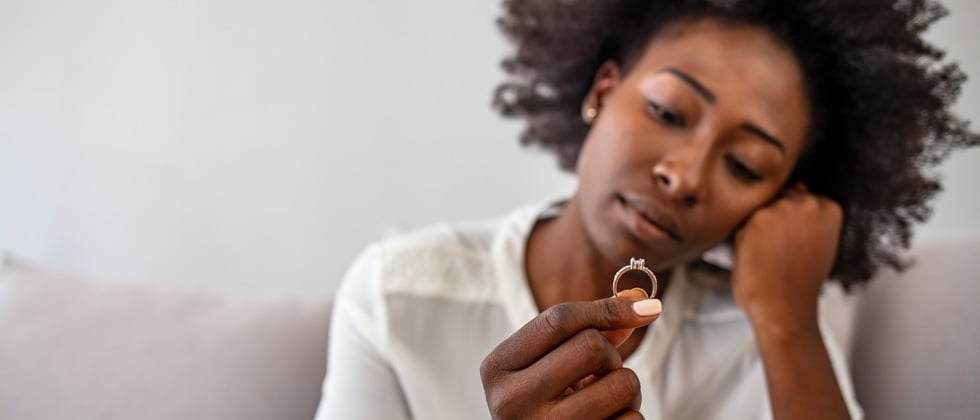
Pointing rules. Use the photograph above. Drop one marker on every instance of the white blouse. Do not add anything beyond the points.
(416, 315)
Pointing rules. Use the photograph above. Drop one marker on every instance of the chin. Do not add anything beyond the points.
(618, 246)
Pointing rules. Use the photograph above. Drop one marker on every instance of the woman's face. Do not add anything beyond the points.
(705, 128)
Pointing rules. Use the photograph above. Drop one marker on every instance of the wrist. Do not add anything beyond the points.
(785, 328)
(783, 320)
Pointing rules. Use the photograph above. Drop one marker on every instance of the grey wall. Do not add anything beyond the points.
(256, 146)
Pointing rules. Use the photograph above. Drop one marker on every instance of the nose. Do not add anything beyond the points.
(680, 176)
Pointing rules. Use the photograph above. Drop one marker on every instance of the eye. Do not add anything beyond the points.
(741, 171)
(665, 115)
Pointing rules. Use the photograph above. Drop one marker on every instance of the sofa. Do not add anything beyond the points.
(82, 349)
(73, 348)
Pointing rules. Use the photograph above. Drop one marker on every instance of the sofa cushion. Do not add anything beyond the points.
(79, 349)
(914, 344)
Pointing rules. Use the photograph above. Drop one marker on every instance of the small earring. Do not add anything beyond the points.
(590, 115)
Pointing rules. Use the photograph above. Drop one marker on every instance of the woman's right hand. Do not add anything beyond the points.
(564, 362)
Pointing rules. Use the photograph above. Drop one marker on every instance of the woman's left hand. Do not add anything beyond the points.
(782, 255)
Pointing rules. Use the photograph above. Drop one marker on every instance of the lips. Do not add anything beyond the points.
(653, 215)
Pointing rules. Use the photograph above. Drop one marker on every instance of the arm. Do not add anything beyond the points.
(360, 382)
(783, 253)
(801, 379)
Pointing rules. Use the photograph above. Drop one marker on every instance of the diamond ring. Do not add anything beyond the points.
(636, 264)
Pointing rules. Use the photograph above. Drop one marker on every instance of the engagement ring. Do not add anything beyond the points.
(636, 264)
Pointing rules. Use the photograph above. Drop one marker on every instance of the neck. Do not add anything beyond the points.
(562, 263)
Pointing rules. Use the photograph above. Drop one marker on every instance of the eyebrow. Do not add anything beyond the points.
(707, 94)
(764, 135)
(710, 97)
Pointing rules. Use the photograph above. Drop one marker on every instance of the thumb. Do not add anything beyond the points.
(618, 337)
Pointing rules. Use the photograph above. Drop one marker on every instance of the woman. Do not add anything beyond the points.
(797, 133)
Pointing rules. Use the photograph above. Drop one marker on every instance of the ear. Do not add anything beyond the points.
(606, 80)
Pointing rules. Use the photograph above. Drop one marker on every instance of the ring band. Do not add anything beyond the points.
(636, 264)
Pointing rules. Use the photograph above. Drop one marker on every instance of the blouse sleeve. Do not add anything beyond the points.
(839, 362)
(360, 382)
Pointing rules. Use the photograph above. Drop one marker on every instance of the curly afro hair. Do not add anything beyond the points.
(880, 96)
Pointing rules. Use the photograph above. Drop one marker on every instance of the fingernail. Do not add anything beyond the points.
(648, 307)
(636, 290)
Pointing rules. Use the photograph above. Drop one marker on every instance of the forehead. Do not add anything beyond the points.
(753, 76)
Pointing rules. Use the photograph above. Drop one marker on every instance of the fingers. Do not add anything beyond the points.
(611, 395)
(797, 190)
(636, 292)
(630, 415)
(588, 352)
(802, 196)
(558, 323)
(618, 337)
(566, 359)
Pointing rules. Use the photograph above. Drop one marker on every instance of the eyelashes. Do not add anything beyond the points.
(736, 167)
(665, 115)
(740, 170)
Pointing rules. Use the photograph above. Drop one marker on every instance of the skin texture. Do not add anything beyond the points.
(882, 98)
(674, 163)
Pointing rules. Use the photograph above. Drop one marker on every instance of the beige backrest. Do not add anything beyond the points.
(76, 349)
(915, 344)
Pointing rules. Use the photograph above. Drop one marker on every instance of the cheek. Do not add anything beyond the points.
(732, 205)
(613, 143)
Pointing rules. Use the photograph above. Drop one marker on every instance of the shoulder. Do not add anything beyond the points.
(438, 260)
(441, 260)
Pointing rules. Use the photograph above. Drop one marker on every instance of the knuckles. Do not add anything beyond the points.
(488, 369)
(564, 318)
(505, 405)
(627, 383)
(808, 207)
(557, 317)
(508, 397)
(595, 350)
(612, 312)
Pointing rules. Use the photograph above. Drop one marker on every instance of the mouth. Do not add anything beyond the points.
(646, 219)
